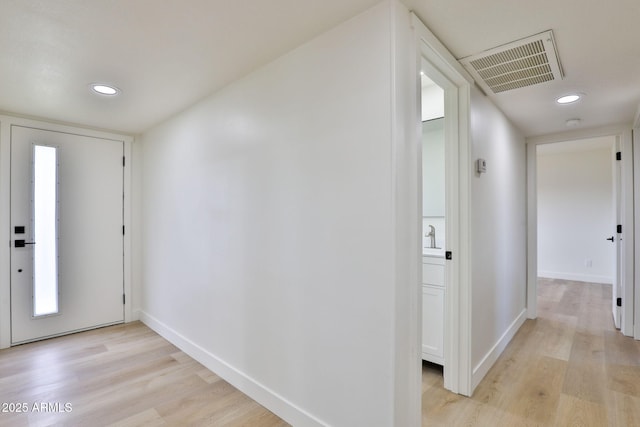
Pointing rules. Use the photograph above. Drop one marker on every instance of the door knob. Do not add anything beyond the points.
(22, 243)
(610, 238)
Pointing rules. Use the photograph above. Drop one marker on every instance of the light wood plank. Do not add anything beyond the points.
(580, 413)
(148, 418)
(124, 375)
(569, 367)
(625, 410)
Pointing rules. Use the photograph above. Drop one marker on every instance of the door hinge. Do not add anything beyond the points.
(619, 228)
(123, 230)
(618, 155)
(123, 299)
(123, 161)
(619, 302)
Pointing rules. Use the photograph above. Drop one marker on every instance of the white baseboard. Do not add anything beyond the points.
(249, 386)
(490, 358)
(589, 278)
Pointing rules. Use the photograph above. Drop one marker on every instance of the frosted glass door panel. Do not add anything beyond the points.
(45, 216)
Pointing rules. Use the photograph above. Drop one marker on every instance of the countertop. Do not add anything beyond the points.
(433, 252)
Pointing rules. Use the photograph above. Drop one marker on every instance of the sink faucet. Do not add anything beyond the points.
(432, 235)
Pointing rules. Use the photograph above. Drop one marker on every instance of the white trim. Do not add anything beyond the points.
(439, 55)
(573, 135)
(627, 309)
(243, 382)
(490, 358)
(405, 148)
(6, 121)
(532, 230)
(5, 235)
(636, 178)
(454, 79)
(588, 278)
(126, 218)
(636, 119)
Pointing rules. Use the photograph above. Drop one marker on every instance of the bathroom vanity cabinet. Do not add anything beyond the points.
(433, 291)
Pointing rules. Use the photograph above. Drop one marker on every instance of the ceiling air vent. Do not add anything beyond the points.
(525, 62)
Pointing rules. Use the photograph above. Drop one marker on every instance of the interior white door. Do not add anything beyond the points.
(619, 267)
(67, 233)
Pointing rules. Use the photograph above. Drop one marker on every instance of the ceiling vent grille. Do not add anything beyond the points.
(522, 63)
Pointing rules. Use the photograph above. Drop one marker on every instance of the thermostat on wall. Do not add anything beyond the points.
(481, 166)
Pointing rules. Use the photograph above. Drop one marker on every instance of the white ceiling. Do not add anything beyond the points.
(598, 43)
(165, 55)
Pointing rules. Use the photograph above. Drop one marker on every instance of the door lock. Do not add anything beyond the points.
(22, 243)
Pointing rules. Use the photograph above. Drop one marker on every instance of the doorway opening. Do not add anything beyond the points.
(578, 206)
(434, 60)
(613, 231)
(433, 227)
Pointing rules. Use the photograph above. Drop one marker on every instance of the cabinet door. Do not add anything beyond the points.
(433, 324)
(432, 273)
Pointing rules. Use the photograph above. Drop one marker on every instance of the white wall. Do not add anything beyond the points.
(269, 235)
(433, 168)
(498, 209)
(432, 101)
(575, 215)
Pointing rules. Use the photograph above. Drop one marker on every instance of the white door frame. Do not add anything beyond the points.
(624, 135)
(636, 184)
(457, 325)
(5, 225)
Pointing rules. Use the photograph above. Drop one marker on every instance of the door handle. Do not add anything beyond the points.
(611, 238)
(22, 243)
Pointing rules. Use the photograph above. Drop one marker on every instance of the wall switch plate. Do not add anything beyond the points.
(481, 166)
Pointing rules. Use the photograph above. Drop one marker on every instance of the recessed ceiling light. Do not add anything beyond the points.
(104, 89)
(568, 99)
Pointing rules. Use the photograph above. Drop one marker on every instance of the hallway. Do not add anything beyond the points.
(569, 367)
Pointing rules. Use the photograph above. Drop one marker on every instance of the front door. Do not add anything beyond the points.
(66, 233)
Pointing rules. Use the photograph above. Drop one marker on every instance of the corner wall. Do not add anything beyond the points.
(498, 212)
(269, 229)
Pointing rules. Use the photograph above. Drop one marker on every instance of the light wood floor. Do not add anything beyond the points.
(569, 367)
(123, 375)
